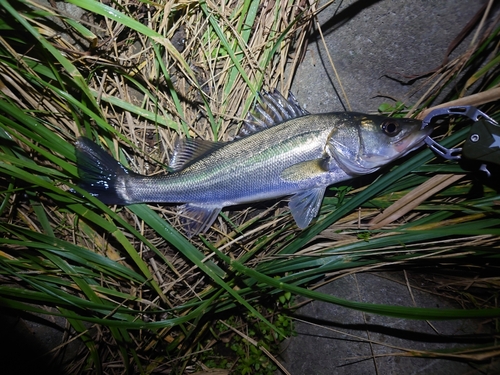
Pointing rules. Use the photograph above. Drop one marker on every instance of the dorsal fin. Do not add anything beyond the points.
(189, 150)
(272, 110)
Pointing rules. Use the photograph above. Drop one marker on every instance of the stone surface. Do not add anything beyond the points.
(372, 40)
(336, 340)
(33, 344)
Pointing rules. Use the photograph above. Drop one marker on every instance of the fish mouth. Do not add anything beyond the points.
(412, 142)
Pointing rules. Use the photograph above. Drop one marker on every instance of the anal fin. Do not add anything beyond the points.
(196, 218)
(305, 206)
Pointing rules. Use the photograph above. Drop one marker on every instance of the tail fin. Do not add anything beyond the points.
(100, 174)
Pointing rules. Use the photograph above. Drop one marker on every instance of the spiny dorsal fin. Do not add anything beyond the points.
(272, 110)
(189, 150)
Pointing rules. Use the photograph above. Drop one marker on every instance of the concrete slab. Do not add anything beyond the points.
(31, 344)
(369, 40)
(336, 340)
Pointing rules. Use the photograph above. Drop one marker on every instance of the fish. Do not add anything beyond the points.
(281, 150)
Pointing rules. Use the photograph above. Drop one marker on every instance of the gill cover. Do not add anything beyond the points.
(377, 141)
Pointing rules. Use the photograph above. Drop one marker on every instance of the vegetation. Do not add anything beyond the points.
(138, 294)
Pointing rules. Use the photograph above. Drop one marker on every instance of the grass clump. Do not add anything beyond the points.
(132, 76)
(245, 345)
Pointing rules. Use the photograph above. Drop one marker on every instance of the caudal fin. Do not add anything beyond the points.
(100, 174)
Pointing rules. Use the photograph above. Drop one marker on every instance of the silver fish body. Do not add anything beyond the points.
(284, 151)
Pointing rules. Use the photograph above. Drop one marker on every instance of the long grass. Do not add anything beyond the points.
(133, 76)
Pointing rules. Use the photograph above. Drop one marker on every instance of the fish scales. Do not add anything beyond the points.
(281, 150)
(245, 170)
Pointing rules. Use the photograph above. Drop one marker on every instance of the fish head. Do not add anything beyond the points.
(364, 143)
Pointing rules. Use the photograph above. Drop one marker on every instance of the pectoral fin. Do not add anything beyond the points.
(304, 170)
(305, 206)
(197, 218)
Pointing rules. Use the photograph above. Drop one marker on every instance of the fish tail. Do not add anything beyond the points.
(100, 174)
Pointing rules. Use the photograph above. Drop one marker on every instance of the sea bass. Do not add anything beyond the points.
(281, 150)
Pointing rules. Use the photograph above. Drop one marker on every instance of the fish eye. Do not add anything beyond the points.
(390, 128)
